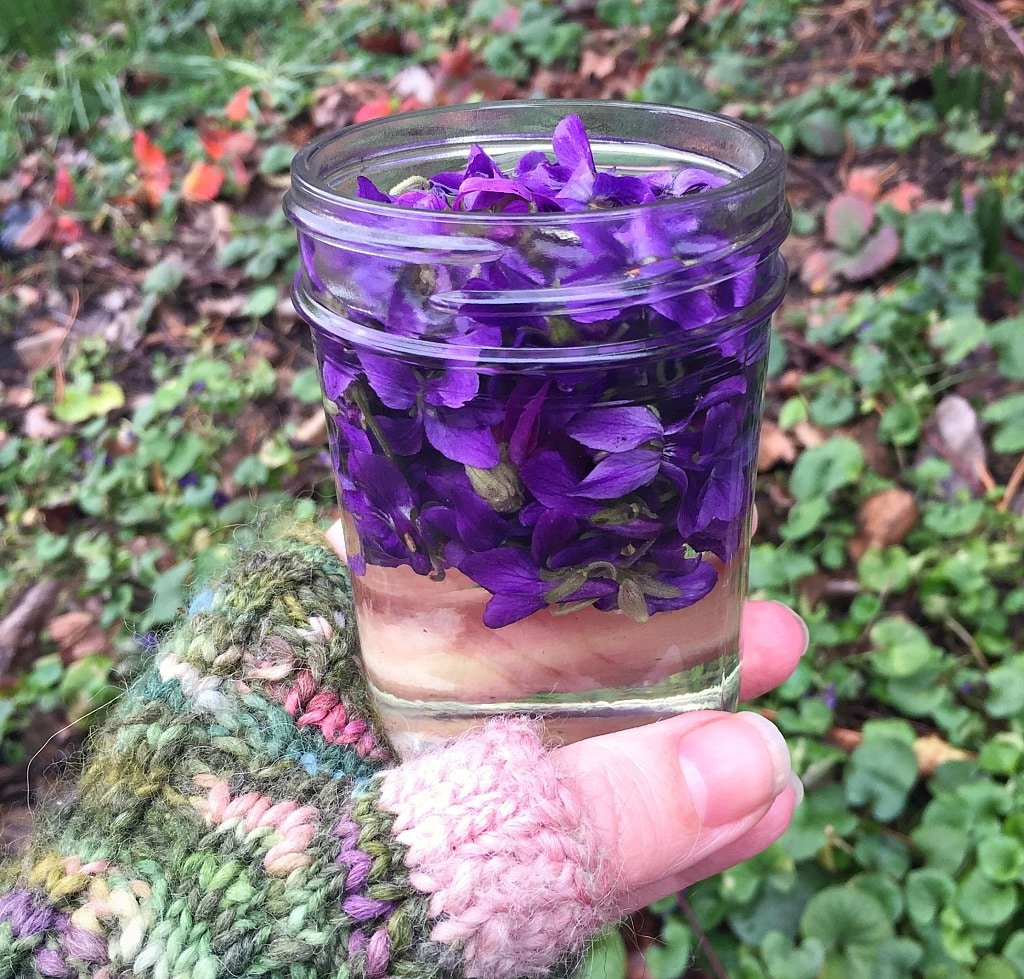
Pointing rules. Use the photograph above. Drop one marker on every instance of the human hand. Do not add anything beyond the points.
(684, 798)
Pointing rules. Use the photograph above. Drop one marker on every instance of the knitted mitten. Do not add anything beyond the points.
(240, 814)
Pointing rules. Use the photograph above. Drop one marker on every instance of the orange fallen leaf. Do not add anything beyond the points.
(904, 197)
(375, 109)
(866, 182)
(219, 143)
(238, 108)
(63, 188)
(156, 175)
(202, 182)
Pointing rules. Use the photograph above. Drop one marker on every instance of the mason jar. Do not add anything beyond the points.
(543, 424)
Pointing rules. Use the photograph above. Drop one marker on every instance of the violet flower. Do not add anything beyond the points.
(617, 488)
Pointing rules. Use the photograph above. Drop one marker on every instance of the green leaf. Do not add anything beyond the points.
(251, 472)
(606, 957)
(670, 959)
(305, 386)
(823, 469)
(79, 405)
(881, 773)
(261, 301)
(784, 961)
(900, 423)
(1001, 859)
(841, 917)
(884, 570)
(985, 903)
(928, 892)
(900, 648)
(1008, 416)
(1007, 337)
(958, 335)
(164, 277)
(1006, 689)
(804, 518)
(822, 132)
(168, 595)
(276, 158)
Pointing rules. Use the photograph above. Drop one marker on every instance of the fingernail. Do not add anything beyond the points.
(733, 767)
(795, 783)
(800, 620)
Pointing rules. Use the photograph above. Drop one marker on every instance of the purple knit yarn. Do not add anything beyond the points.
(358, 862)
(26, 913)
(84, 945)
(364, 908)
(378, 954)
(50, 962)
(357, 942)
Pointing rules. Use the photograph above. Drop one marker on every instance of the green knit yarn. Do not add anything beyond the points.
(145, 871)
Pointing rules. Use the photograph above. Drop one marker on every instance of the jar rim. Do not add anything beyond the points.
(309, 189)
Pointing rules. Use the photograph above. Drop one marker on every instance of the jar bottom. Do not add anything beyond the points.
(435, 669)
(415, 725)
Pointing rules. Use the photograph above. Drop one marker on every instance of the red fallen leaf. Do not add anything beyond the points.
(507, 20)
(66, 230)
(238, 108)
(411, 103)
(375, 109)
(202, 182)
(458, 62)
(63, 188)
(156, 175)
(220, 143)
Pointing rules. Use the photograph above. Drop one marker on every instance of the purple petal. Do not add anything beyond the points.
(619, 474)
(505, 571)
(693, 586)
(461, 438)
(336, 378)
(522, 439)
(503, 610)
(383, 484)
(404, 435)
(615, 429)
(369, 191)
(553, 530)
(452, 388)
(693, 180)
(395, 383)
(622, 191)
(548, 477)
(571, 144)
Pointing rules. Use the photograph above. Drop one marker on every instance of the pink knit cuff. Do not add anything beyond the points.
(501, 842)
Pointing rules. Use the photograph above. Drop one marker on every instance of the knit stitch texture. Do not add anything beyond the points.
(240, 813)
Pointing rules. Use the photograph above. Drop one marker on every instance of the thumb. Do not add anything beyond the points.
(662, 798)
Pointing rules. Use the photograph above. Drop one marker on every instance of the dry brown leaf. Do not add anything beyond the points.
(38, 424)
(37, 350)
(931, 751)
(808, 435)
(886, 517)
(312, 430)
(775, 447)
(78, 635)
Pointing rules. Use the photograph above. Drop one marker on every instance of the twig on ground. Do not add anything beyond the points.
(710, 955)
(58, 357)
(821, 352)
(25, 618)
(986, 10)
(1013, 484)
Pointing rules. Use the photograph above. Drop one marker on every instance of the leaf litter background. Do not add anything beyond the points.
(156, 393)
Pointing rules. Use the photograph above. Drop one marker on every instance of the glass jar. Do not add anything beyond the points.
(543, 425)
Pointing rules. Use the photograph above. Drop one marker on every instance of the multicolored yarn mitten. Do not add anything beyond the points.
(240, 814)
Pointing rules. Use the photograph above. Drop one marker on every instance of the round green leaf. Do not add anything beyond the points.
(840, 917)
(985, 903)
(1001, 859)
